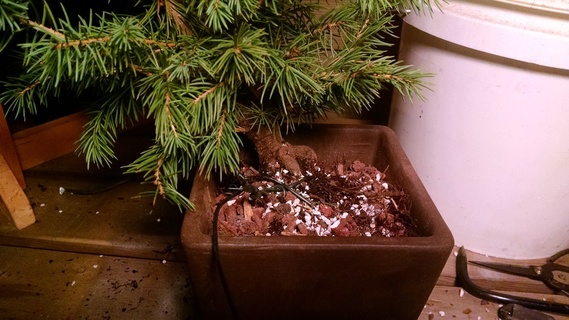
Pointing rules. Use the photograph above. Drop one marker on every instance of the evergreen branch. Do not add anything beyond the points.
(162, 170)
(29, 88)
(97, 140)
(328, 26)
(86, 42)
(204, 103)
(219, 15)
(199, 68)
(241, 57)
(169, 114)
(11, 12)
(76, 43)
(141, 70)
(158, 179)
(292, 80)
(175, 12)
(220, 130)
(60, 37)
(408, 82)
(20, 97)
(360, 32)
(222, 155)
(206, 93)
(115, 111)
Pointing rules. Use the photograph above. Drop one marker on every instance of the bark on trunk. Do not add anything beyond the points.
(272, 151)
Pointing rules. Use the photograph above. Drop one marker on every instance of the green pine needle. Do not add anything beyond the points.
(198, 69)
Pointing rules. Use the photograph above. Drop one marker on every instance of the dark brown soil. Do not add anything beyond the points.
(341, 200)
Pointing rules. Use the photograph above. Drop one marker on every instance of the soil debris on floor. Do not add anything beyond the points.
(339, 200)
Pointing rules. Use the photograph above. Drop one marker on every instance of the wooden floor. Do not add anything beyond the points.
(115, 256)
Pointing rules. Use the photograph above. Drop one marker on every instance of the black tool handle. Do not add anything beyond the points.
(554, 272)
(464, 281)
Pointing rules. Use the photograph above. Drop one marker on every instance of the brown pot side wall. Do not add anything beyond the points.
(330, 277)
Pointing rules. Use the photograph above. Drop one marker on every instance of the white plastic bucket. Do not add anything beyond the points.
(491, 141)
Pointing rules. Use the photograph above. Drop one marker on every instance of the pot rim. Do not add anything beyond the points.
(437, 233)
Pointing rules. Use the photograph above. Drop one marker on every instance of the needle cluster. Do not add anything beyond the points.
(205, 70)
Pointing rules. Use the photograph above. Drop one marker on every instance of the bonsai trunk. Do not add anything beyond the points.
(273, 151)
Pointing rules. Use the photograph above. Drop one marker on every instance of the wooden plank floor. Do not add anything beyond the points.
(101, 257)
(107, 256)
(47, 284)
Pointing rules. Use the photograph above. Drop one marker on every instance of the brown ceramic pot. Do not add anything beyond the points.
(323, 277)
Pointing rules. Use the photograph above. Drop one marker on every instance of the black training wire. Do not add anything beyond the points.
(465, 282)
(215, 231)
(87, 192)
(216, 255)
(290, 188)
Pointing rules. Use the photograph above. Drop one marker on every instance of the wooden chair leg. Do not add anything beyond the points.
(14, 197)
(8, 150)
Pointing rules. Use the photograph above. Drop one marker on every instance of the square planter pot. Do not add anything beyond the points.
(323, 277)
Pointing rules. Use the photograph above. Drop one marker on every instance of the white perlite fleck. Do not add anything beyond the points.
(335, 224)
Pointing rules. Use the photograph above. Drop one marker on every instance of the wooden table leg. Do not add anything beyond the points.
(14, 197)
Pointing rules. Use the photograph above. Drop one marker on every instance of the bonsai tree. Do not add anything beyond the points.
(207, 72)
